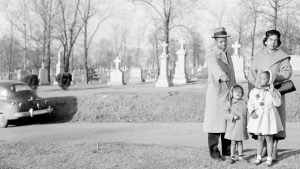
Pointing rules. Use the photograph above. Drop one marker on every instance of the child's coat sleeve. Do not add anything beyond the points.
(227, 111)
(276, 98)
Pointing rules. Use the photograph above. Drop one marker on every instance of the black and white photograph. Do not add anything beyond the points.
(149, 84)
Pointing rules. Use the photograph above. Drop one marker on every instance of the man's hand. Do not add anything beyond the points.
(224, 78)
(235, 117)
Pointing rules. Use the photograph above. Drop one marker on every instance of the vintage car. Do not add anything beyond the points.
(18, 100)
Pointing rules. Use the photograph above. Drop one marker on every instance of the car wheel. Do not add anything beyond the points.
(3, 121)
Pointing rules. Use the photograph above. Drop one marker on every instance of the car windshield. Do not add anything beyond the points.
(3, 92)
(21, 87)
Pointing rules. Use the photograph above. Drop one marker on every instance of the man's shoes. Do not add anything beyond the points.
(274, 157)
(219, 158)
(231, 160)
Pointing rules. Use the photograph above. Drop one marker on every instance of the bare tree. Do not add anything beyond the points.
(69, 29)
(196, 46)
(154, 40)
(17, 14)
(240, 25)
(254, 8)
(274, 8)
(219, 13)
(87, 11)
(169, 13)
(47, 11)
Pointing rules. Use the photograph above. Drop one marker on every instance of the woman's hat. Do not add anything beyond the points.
(220, 33)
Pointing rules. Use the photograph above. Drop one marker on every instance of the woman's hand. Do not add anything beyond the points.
(254, 114)
(235, 117)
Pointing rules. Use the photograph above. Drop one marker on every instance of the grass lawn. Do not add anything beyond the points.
(141, 103)
(71, 155)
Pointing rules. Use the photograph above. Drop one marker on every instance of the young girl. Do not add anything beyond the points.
(264, 118)
(236, 121)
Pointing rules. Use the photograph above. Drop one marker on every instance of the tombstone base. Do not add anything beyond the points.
(162, 82)
(135, 80)
(55, 82)
(180, 79)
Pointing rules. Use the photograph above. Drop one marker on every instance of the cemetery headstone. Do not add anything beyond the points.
(295, 62)
(59, 66)
(116, 76)
(163, 80)
(238, 63)
(43, 75)
(135, 75)
(180, 76)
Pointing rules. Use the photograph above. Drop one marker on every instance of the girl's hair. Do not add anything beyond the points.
(231, 92)
(238, 86)
(271, 33)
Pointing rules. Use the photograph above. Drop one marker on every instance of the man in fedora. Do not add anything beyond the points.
(220, 79)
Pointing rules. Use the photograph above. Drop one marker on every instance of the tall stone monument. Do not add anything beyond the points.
(43, 75)
(238, 63)
(180, 76)
(60, 68)
(163, 80)
(116, 76)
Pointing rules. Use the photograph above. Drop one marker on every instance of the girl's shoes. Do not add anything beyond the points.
(269, 161)
(241, 158)
(257, 161)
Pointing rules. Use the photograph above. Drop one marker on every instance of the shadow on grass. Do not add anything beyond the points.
(282, 153)
(286, 153)
(64, 110)
(75, 88)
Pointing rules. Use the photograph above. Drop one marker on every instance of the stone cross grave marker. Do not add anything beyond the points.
(117, 62)
(236, 47)
(238, 63)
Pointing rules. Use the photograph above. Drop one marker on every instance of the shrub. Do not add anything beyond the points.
(32, 81)
(64, 80)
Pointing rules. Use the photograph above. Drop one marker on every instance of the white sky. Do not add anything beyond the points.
(134, 17)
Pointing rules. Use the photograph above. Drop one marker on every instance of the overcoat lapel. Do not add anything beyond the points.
(263, 59)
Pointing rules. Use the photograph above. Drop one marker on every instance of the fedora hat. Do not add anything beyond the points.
(220, 33)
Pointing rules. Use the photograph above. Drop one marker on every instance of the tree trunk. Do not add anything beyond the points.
(253, 37)
(86, 53)
(10, 51)
(275, 14)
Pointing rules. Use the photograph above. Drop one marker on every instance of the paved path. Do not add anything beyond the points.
(167, 134)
